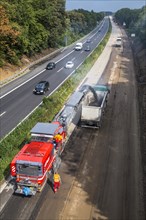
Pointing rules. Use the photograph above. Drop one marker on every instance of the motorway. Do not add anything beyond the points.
(101, 170)
(17, 98)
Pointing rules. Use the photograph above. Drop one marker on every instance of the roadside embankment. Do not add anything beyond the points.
(11, 72)
(140, 66)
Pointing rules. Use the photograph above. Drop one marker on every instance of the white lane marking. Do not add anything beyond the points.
(73, 59)
(37, 106)
(2, 114)
(65, 56)
(50, 94)
(41, 71)
(22, 84)
(60, 69)
(33, 77)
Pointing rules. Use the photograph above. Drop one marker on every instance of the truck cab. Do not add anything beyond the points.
(38, 158)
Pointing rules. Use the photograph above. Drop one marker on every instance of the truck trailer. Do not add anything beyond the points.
(93, 106)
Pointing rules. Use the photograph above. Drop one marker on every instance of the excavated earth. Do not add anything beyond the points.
(140, 68)
(103, 171)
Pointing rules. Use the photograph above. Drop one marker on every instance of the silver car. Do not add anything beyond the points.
(69, 65)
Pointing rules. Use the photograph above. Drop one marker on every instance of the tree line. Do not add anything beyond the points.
(134, 20)
(30, 26)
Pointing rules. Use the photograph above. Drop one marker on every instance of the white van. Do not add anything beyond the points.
(79, 46)
(119, 42)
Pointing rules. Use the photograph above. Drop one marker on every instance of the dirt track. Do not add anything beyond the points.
(106, 165)
(101, 170)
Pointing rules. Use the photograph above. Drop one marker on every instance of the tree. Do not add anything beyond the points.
(135, 21)
(8, 37)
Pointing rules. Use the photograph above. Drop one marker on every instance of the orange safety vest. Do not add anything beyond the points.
(56, 177)
(58, 137)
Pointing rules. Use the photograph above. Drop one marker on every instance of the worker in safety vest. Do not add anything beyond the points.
(58, 138)
(57, 181)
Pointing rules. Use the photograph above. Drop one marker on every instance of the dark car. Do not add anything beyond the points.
(51, 66)
(88, 40)
(41, 88)
(87, 48)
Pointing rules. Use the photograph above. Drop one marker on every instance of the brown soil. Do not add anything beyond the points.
(10, 70)
(140, 68)
(101, 170)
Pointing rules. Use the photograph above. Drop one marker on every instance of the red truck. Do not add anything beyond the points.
(37, 159)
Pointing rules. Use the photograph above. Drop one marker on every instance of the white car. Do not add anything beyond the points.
(119, 42)
(79, 46)
(69, 65)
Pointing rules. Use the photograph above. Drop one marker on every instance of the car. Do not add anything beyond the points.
(87, 48)
(51, 66)
(79, 46)
(69, 65)
(41, 88)
(118, 42)
(88, 40)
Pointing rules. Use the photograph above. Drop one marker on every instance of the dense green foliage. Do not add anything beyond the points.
(81, 22)
(46, 112)
(135, 21)
(27, 27)
(36, 25)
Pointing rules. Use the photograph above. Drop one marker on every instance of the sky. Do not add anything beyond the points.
(104, 5)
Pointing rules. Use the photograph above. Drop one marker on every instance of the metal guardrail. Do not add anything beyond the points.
(27, 68)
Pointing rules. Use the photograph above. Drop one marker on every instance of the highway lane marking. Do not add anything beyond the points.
(50, 93)
(37, 106)
(60, 69)
(22, 84)
(2, 114)
(73, 59)
(65, 56)
(41, 71)
(32, 77)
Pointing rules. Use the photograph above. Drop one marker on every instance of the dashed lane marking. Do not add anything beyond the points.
(2, 114)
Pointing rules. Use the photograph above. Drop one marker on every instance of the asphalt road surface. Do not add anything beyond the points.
(17, 98)
(101, 170)
(106, 164)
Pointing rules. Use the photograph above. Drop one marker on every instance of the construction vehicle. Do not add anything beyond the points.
(118, 42)
(93, 106)
(68, 113)
(38, 159)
